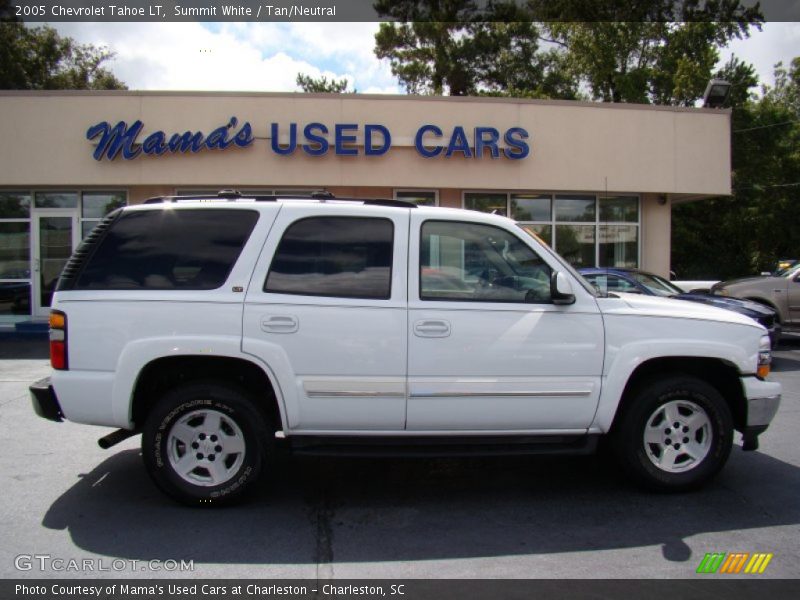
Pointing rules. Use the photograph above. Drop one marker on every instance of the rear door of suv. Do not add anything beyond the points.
(326, 312)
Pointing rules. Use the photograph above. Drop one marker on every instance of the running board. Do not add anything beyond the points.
(455, 446)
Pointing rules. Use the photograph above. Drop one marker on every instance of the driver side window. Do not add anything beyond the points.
(472, 262)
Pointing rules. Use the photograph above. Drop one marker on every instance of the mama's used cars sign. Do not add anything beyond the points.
(314, 139)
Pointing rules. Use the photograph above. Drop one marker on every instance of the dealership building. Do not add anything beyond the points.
(596, 181)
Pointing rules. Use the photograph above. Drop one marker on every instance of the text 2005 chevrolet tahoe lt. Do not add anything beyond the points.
(216, 326)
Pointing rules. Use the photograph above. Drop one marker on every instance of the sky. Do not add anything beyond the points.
(268, 56)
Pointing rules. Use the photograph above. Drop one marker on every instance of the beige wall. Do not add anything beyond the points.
(656, 231)
(574, 146)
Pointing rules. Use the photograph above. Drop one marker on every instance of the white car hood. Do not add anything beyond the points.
(656, 306)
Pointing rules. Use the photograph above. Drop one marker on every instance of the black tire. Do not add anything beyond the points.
(231, 452)
(683, 465)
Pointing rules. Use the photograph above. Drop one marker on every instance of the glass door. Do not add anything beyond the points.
(54, 239)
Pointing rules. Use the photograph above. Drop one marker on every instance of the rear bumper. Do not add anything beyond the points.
(763, 399)
(45, 402)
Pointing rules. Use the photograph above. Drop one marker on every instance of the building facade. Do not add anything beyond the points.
(597, 181)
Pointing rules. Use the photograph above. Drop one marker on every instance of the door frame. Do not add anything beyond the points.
(37, 310)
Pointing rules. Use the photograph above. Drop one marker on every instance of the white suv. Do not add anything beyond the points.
(216, 326)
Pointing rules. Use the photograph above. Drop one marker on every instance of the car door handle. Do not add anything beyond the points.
(279, 323)
(429, 328)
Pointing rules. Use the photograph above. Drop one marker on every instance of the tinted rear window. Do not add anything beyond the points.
(168, 249)
(344, 257)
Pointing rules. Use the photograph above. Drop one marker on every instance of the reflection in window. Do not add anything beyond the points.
(479, 263)
(576, 244)
(619, 209)
(486, 202)
(15, 205)
(97, 205)
(575, 208)
(531, 207)
(15, 252)
(342, 257)
(618, 246)
(56, 200)
(419, 197)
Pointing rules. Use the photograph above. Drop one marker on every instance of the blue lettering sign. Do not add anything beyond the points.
(486, 137)
(318, 144)
(275, 139)
(370, 149)
(122, 138)
(114, 140)
(458, 143)
(516, 148)
(419, 141)
(342, 139)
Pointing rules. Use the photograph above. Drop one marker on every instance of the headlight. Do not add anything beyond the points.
(722, 292)
(764, 357)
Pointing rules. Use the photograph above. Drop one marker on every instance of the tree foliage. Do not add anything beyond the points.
(321, 85)
(462, 47)
(750, 231)
(38, 58)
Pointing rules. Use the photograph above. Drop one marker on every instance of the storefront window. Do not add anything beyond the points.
(619, 246)
(56, 200)
(487, 202)
(531, 207)
(619, 209)
(575, 208)
(576, 243)
(15, 286)
(420, 197)
(15, 205)
(97, 205)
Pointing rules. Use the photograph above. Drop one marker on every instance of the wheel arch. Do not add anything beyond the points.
(720, 374)
(162, 374)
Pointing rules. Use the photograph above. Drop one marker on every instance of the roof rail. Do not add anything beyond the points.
(321, 195)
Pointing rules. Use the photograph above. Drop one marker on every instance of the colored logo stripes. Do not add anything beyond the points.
(734, 562)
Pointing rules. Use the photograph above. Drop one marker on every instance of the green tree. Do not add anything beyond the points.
(748, 232)
(38, 58)
(321, 85)
(459, 47)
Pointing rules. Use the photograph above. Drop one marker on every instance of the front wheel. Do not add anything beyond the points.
(203, 443)
(674, 434)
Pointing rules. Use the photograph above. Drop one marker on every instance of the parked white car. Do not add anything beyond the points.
(218, 326)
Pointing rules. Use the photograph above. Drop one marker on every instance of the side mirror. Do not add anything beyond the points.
(561, 289)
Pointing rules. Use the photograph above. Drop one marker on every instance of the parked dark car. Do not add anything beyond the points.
(634, 281)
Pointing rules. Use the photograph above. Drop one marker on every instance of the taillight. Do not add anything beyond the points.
(58, 340)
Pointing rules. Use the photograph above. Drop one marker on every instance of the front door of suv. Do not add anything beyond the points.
(326, 312)
(487, 348)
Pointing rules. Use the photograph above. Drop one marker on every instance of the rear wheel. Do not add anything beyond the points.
(674, 435)
(203, 443)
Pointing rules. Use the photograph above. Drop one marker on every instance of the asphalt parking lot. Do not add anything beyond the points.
(532, 517)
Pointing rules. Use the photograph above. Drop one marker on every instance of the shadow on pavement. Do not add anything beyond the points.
(364, 510)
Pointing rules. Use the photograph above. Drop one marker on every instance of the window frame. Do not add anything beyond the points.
(435, 192)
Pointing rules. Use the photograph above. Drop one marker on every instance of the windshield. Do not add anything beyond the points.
(566, 266)
(655, 284)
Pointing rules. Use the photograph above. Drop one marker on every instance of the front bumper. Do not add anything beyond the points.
(763, 399)
(45, 402)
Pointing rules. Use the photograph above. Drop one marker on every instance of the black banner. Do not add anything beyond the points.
(731, 588)
(365, 10)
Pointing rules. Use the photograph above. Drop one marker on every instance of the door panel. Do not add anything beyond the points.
(343, 359)
(507, 365)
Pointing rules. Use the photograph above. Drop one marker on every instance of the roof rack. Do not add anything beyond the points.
(321, 195)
